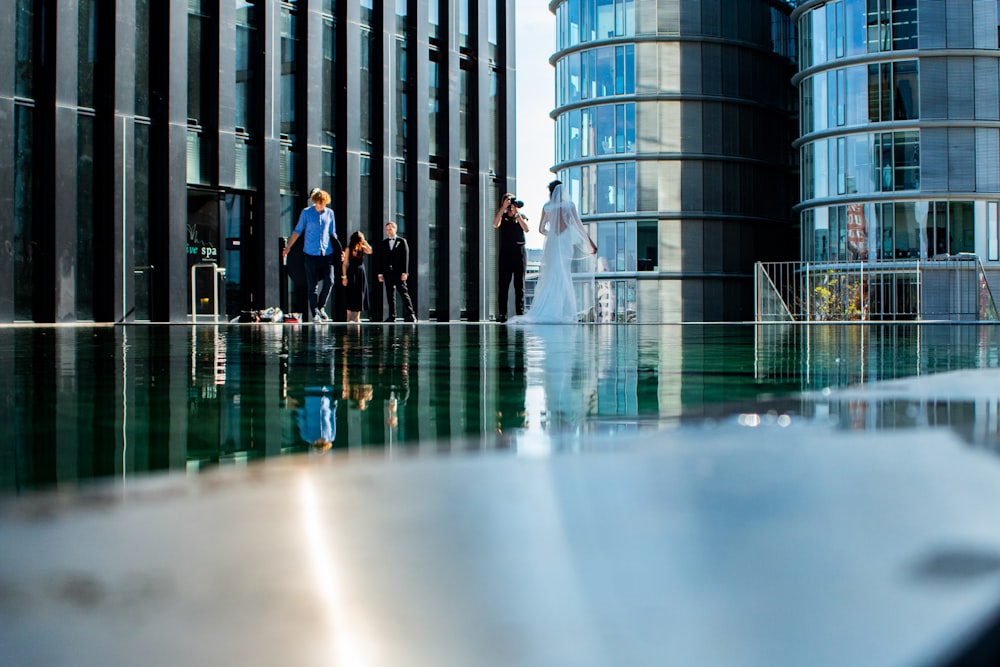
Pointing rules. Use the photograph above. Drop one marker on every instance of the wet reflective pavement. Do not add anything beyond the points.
(477, 494)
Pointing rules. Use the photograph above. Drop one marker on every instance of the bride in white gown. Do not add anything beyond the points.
(555, 300)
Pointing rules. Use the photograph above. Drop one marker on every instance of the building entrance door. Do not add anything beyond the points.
(219, 232)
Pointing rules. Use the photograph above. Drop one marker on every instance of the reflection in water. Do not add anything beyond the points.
(83, 403)
(561, 369)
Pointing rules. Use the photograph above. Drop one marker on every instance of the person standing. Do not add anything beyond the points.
(512, 256)
(323, 252)
(393, 261)
(354, 277)
(556, 298)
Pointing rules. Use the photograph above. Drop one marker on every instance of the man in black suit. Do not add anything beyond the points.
(393, 261)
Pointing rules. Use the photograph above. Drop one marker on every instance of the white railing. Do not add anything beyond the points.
(950, 288)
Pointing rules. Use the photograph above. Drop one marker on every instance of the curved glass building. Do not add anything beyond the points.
(674, 134)
(900, 129)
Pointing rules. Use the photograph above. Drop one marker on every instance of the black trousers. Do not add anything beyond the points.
(392, 283)
(512, 263)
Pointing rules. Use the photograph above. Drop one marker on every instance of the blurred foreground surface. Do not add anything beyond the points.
(769, 496)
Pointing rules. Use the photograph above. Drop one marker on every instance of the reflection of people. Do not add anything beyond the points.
(511, 257)
(323, 252)
(317, 424)
(511, 387)
(569, 376)
(393, 261)
(555, 300)
(354, 277)
(355, 386)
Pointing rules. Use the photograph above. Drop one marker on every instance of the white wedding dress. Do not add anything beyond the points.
(557, 299)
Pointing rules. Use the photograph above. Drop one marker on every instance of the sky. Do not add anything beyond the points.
(534, 43)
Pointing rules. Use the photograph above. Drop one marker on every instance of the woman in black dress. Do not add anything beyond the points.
(354, 278)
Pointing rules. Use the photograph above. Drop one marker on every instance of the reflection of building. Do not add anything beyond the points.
(125, 125)
(899, 130)
(673, 134)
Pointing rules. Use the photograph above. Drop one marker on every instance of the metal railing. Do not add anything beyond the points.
(952, 288)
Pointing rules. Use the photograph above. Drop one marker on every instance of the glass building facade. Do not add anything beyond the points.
(674, 131)
(900, 129)
(145, 139)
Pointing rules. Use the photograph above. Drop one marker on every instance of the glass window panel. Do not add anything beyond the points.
(818, 36)
(874, 97)
(24, 257)
(607, 250)
(605, 129)
(909, 233)
(820, 109)
(630, 69)
(807, 105)
(647, 246)
(831, 31)
(588, 22)
(575, 139)
(855, 37)
(588, 132)
(465, 129)
(289, 53)
(905, 90)
(573, 77)
(907, 160)
(885, 91)
(463, 22)
(401, 85)
(433, 83)
(806, 40)
(246, 48)
(885, 160)
(24, 49)
(620, 187)
(841, 165)
(142, 58)
(961, 227)
(619, 70)
(606, 191)
(620, 128)
(605, 74)
(329, 83)
(620, 246)
(630, 193)
(433, 19)
(87, 55)
(605, 19)
(587, 188)
(366, 89)
(82, 275)
(841, 97)
(992, 232)
(840, 30)
(856, 95)
(904, 24)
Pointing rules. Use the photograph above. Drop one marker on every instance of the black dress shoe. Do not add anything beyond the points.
(389, 319)
(411, 319)
(501, 319)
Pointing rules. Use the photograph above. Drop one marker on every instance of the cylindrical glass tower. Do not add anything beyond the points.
(673, 133)
(900, 129)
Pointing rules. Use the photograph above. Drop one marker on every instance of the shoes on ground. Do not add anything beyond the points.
(501, 318)
(390, 319)
(323, 316)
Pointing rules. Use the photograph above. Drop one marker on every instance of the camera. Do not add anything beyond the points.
(515, 201)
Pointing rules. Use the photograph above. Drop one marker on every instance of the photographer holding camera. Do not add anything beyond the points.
(512, 257)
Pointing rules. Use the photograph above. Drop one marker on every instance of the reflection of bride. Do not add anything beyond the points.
(556, 300)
